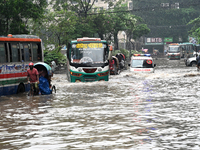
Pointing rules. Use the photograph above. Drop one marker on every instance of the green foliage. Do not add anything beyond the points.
(84, 28)
(167, 21)
(126, 53)
(123, 21)
(136, 52)
(195, 30)
(16, 13)
(58, 26)
(140, 30)
(55, 55)
(123, 51)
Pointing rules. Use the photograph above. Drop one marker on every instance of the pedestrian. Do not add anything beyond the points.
(33, 79)
(165, 52)
(53, 66)
(187, 57)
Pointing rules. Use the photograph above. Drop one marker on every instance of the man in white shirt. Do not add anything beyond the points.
(53, 65)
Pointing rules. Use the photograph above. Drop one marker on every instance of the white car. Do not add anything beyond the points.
(142, 63)
(191, 62)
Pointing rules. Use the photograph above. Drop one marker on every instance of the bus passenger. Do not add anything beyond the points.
(33, 78)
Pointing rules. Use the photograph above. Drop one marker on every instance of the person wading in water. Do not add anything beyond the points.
(33, 79)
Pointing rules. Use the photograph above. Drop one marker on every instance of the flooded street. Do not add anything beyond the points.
(132, 111)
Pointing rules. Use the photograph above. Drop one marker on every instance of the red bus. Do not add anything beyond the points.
(16, 52)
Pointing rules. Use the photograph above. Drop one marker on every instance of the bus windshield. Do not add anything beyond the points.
(141, 63)
(88, 53)
(174, 49)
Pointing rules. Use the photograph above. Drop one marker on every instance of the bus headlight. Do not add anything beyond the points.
(99, 69)
(75, 74)
(103, 74)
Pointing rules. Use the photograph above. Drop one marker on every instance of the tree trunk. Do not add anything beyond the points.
(128, 44)
(100, 35)
(116, 41)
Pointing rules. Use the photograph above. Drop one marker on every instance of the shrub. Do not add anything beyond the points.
(55, 55)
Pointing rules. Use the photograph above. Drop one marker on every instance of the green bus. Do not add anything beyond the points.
(88, 60)
(186, 48)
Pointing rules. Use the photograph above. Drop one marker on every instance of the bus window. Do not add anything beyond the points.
(2, 53)
(26, 52)
(37, 52)
(35, 49)
(14, 53)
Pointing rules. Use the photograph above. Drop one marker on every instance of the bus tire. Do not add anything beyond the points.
(20, 88)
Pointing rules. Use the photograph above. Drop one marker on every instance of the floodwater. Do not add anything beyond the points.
(155, 111)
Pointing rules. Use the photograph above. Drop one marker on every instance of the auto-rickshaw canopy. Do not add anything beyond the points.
(43, 66)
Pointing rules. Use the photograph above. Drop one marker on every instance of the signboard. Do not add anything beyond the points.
(153, 41)
(90, 45)
(168, 40)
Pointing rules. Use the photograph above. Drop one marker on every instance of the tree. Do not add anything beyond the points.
(124, 21)
(56, 27)
(137, 32)
(195, 30)
(15, 15)
(80, 7)
(103, 24)
(167, 18)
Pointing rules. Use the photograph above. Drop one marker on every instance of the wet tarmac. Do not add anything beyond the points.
(155, 111)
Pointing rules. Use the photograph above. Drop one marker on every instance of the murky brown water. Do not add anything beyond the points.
(131, 111)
